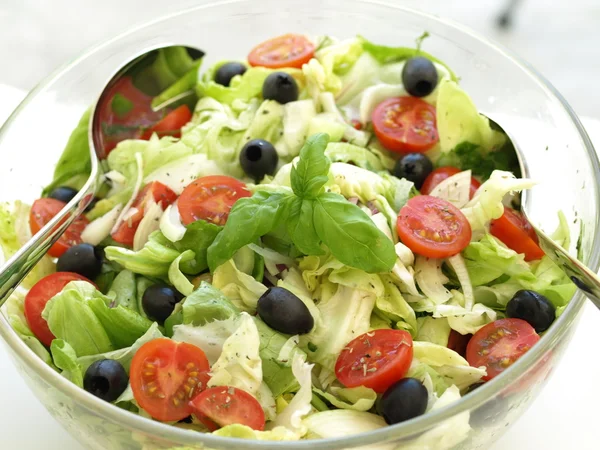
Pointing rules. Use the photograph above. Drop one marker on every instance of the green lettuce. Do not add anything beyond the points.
(341, 423)
(239, 364)
(359, 398)
(123, 290)
(65, 359)
(206, 304)
(459, 121)
(241, 289)
(244, 432)
(362, 157)
(433, 330)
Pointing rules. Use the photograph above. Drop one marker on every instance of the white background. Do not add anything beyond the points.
(565, 415)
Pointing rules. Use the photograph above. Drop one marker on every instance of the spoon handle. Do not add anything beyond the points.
(21, 263)
(584, 278)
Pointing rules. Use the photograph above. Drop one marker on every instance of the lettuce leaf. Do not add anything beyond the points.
(358, 398)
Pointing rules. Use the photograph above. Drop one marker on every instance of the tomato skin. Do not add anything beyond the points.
(220, 406)
(442, 173)
(171, 124)
(386, 357)
(165, 375)
(38, 296)
(499, 344)
(458, 342)
(42, 211)
(405, 124)
(447, 230)
(289, 50)
(517, 233)
(154, 190)
(210, 198)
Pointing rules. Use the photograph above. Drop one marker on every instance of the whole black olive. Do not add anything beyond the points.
(284, 312)
(159, 301)
(259, 158)
(106, 379)
(419, 76)
(533, 308)
(84, 259)
(281, 87)
(404, 400)
(227, 71)
(414, 167)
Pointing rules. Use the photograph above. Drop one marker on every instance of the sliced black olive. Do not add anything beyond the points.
(258, 158)
(414, 167)
(281, 87)
(106, 379)
(159, 301)
(419, 76)
(84, 259)
(533, 308)
(404, 400)
(284, 312)
(227, 71)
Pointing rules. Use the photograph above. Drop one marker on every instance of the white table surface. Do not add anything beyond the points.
(564, 416)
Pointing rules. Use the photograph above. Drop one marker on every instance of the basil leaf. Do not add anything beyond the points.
(351, 235)
(310, 173)
(301, 228)
(74, 164)
(249, 219)
(198, 237)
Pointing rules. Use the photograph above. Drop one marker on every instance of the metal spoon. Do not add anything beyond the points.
(166, 76)
(581, 275)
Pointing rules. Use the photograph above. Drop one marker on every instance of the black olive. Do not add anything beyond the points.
(414, 167)
(404, 400)
(284, 312)
(106, 379)
(258, 158)
(227, 71)
(159, 301)
(419, 76)
(475, 386)
(281, 87)
(91, 204)
(84, 259)
(63, 193)
(532, 307)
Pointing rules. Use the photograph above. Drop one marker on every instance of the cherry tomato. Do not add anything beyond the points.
(405, 124)
(154, 190)
(289, 50)
(517, 233)
(376, 359)
(171, 124)
(499, 344)
(42, 211)
(458, 342)
(210, 198)
(220, 406)
(439, 175)
(433, 227)
(165, 375)
(38, 296)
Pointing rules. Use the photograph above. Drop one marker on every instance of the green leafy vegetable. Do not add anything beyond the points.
(75, 159)
(207, 304)
(386, 55)
(351, 235)
(124, 290)
(301, 228)
(309, 175)
(65, 359)
(249, 219)
(468, 156)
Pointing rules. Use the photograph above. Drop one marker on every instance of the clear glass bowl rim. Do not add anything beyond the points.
(394, 432)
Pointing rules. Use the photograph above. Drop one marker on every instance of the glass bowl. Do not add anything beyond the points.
(502, 86)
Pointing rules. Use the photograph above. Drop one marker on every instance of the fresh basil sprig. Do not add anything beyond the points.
(312, 218)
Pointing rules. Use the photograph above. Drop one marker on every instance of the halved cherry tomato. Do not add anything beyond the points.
(499, 344)
(433, 227)
(439, 175)
(289, 50)
(154, 190)
(376, 359)
(220, 406)
(517, 233)
(42, 211)
(171, 124)
(405, 124)
(210, 198)
(165, 375)
(38, 296)
(458, 342)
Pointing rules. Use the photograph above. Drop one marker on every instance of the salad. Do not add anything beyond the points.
(319, 240)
